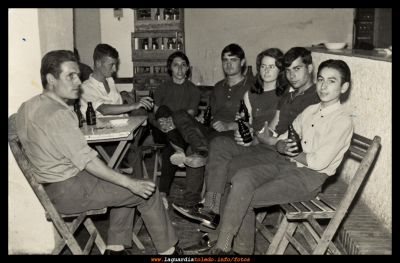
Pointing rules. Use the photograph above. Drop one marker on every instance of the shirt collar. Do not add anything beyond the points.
(95, 82)
(329, 109)
(243, 80)
(55, 97)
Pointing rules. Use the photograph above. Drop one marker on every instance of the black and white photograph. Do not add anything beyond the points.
(199, 134)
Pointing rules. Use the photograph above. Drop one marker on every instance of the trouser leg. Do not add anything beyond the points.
(85, 192)
(262, 186)
(191, 130)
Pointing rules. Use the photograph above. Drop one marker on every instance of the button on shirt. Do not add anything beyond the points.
(49, 133)
(225, 100)
(95, 92)
(326, 135)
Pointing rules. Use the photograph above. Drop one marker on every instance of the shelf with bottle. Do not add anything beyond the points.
(150, 19)
(162, 45)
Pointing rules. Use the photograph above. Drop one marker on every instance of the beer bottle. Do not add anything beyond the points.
(244, 113)
(90, 114)
(170, 44)
(167, 14)
(292, 134)
(157, 15)
(249, 74)
(207, 116)
(78, 112)
(151, 95)
(244, 131)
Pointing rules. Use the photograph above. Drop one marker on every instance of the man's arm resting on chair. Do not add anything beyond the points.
(142, 187)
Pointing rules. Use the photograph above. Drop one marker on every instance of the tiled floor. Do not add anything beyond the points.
(187, 229)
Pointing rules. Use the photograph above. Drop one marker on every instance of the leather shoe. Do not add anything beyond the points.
(195, 160)
(108, 252)
(197, 212)
(217, 251)
(178, 251)
(204, 245)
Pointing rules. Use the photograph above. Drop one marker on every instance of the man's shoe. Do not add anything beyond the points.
(195, 160)
(178, 159)
(204, 245)
(218, 251)
(198, 212)
(108, 252)
(178, 251)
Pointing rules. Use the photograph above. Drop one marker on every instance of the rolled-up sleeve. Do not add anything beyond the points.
(63, 131)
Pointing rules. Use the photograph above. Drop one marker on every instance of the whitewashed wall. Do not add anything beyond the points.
(32, 33)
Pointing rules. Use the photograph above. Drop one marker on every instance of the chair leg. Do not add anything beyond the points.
(91, 228)
(322, 246)
(135, 231)
(156, 162)
(67, 237)
(261, 216)
(279, 243)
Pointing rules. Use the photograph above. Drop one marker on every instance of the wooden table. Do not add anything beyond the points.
(106, 130)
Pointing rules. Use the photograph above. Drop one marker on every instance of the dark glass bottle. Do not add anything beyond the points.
(90, 114)
(157, 15)
(249, 73)
(151, 95)
(244, 131)
(78, 112)
(244, 112)
(167, 14)
(170, 44)
(145, 44)
(207, 116)
(179, 43)
(154, 43)
(175, 13)
(292, 134)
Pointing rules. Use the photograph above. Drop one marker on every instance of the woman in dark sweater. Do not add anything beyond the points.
(271, 84)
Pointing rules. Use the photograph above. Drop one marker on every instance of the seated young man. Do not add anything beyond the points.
(100, 89)
(222, 164)
(75, 179)
(325, 130)
(224, 102)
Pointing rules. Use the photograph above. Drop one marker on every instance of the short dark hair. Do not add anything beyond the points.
(235, 50)
(294, 53)
(339, 65)
(177, 54)
(103, 50)
(281, 82)
(52, 61)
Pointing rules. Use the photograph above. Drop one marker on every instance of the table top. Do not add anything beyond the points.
(112, 128)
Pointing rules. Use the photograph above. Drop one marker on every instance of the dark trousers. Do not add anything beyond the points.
(192, 135)
(85, 192)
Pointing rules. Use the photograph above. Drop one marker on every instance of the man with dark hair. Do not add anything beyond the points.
(100, 89)
(83, 68)
(224, 102)
(75, 179)
(226, 156)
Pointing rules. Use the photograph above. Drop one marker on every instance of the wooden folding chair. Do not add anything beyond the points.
(66, 230)
(303, 216)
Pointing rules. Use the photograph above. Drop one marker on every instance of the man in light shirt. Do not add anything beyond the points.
(74, 178)
(100, 89)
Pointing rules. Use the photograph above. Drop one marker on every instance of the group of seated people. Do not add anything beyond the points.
(239, 176)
